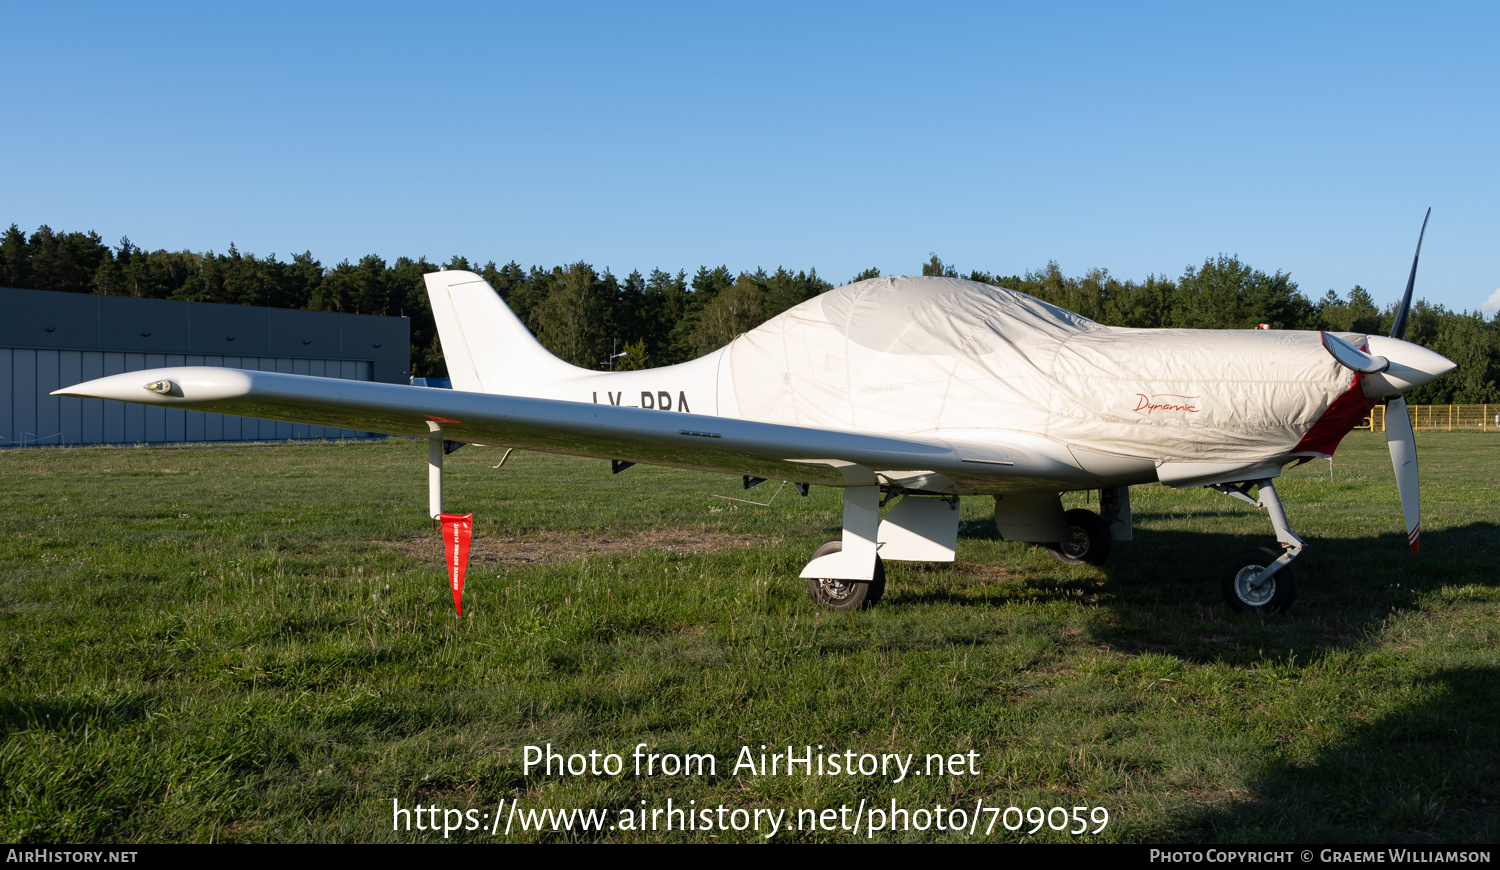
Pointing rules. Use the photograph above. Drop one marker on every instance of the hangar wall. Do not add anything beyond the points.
(52, 340)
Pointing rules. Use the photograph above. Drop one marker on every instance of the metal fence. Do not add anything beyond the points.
(1449, 418)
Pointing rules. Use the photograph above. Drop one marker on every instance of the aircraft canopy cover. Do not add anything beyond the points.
(915, 355)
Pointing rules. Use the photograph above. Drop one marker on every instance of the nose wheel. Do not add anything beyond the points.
(1261, 580)
(1248, 587)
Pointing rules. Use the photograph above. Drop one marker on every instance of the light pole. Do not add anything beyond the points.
(614, 356)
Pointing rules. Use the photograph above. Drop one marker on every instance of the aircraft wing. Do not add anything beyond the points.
(692, 441)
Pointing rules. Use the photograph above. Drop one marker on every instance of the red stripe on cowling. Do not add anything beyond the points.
(1342, 416)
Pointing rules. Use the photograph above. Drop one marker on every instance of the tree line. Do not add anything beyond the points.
(587, 317)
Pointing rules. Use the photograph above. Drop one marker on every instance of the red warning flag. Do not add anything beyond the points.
(458, 531)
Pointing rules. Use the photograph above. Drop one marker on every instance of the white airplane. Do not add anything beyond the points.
(915, 391)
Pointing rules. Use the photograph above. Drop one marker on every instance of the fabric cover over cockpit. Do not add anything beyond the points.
(915, 355)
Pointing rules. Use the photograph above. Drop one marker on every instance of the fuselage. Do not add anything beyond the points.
(930, 384)
(957, 359)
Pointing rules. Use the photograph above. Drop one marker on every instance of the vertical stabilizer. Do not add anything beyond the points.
(487, 348)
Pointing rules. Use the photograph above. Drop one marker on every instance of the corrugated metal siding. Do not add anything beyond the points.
(29, 416)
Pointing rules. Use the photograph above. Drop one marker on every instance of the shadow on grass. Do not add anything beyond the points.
(69, 715)
(1346, 586)
(978, 530)
(1429, 773)
(1426, 773)
(1035, 590)
(1161, 593)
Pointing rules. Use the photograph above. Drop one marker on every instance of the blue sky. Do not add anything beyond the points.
(1140, 138)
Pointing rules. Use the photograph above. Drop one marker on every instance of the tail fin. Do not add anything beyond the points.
(488, 350)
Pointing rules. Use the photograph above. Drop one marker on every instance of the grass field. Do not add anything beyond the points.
(257, 644)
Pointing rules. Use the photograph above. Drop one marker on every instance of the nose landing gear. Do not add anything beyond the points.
(1261, 580)
(1250, 588)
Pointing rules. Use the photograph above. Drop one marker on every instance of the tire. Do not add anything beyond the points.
(846, 595)
(1278, 593)
(1090, 543)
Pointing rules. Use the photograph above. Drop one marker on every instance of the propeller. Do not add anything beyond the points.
(1352, 357)
(1398, 327)
(1403, 445)
(1399, 437)
(1398, 367)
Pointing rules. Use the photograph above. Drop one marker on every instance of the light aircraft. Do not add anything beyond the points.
(912, 391)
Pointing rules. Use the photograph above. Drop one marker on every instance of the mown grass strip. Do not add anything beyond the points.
(254, 644)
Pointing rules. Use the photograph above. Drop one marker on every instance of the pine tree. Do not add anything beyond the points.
(573, 320)
(15, 259)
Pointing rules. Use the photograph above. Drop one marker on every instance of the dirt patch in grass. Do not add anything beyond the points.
(552, 547)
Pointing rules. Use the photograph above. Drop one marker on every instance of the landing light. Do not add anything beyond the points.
(163, 387)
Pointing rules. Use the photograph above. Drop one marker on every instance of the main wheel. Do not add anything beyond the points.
(846, 594)
(1274, 595)
(1089, 540)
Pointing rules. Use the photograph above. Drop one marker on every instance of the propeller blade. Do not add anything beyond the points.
(1403, 444)
(1351, 357)
(1398, 328)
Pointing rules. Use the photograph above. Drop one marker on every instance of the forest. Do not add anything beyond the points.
(585, 316)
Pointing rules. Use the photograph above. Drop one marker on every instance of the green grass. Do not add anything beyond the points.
(257, 644)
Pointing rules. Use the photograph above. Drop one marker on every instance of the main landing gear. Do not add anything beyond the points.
(844, 595)
(1261, 580)
(847, 573)
(1088, 540)
(922, 526)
